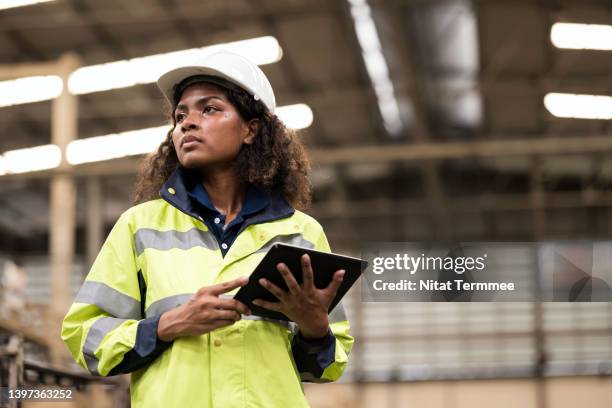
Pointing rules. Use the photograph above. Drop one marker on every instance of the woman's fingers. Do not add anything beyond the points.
(333, 286)
(288, 278)
(227, 286)
(307, 274)
(222, 314)
(272, 288)
(232, 304)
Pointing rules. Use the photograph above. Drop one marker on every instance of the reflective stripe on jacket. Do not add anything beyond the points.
(156, 257)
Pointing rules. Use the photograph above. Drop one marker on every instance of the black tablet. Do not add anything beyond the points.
(324, 265)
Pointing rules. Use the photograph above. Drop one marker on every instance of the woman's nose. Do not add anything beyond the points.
(189, 123)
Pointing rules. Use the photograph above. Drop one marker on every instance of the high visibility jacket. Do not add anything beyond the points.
(156, 257)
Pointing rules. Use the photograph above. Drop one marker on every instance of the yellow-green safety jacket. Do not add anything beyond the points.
(157, 255)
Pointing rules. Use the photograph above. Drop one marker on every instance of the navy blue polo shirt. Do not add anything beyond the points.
(255, 201)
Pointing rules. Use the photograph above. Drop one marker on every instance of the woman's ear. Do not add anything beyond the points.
(253, 128)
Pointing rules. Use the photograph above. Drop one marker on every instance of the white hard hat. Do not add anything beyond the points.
(227, 65)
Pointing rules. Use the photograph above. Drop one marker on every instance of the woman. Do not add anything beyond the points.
(219, 191)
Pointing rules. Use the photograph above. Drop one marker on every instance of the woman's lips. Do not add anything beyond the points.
(189, 141)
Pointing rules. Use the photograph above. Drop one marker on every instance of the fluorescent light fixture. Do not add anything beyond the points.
(30, 89)
(144, 70)
(31, 159)
(577, 106)
(581, 36)
(375, 63)
(117, 145)
(6, 4)
(126, 73)
(298, 116)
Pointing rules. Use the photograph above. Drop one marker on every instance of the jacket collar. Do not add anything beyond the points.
(176, 192)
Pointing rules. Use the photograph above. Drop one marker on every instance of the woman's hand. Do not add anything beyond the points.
(204, 312)
(304, 304)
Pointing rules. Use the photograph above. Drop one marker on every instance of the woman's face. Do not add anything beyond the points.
(209, 130)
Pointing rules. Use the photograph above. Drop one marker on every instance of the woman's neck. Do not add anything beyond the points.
(225, 191)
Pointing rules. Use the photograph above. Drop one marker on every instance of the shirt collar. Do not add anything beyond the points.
(255, 199)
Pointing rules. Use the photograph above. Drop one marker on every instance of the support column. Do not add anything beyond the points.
(62, 212)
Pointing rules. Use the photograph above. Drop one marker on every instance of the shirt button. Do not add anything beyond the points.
(218, 342)
(171, 191)
(217, 220)
(224, 245)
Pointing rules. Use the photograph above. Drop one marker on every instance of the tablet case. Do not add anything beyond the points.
(324, 265)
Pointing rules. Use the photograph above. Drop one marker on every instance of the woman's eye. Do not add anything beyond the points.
(179, 117)
(210, 109)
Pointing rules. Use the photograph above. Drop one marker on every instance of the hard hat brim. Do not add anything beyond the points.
(168, 81)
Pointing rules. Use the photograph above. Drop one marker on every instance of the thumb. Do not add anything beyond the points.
(334, 285)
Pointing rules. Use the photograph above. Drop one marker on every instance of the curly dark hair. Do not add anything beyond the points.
(276, 161)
